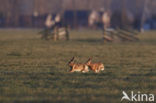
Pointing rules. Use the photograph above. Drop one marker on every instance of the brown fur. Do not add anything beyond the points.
(96, 67)
(77, 67)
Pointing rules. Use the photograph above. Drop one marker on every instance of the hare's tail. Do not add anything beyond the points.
(102, 67)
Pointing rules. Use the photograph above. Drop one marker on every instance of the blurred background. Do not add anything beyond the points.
(76, 13)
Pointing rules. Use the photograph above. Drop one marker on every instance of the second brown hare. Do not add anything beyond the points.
(96, 67)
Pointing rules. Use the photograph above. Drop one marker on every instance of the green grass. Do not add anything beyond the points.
(36, 71)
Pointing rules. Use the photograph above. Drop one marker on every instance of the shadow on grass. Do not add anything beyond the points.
(89, 74)
(89, 40)
(14, 54)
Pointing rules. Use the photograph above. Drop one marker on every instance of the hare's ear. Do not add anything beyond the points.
(72, 59)
(90, 58)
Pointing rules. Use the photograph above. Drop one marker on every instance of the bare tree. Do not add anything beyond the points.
(123, 13)
(15, 12)
(75, 15)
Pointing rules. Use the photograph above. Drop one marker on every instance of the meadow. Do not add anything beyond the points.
(36, 71)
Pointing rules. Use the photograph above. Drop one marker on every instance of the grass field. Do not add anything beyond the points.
(36, 71)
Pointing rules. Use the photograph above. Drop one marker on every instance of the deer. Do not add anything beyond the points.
(96, 67)
(75, 67)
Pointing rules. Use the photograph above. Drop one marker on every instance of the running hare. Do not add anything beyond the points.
(77, 67)
(96, 67)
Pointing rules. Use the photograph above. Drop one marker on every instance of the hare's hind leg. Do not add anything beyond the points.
(102, 68)
(85, 69)
(96, 71)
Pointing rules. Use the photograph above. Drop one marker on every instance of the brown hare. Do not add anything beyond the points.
(96, 67)
(77, 67)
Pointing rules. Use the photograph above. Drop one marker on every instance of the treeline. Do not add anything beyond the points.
(14, 13)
